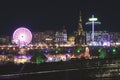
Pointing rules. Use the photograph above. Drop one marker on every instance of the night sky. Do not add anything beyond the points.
(42, 15)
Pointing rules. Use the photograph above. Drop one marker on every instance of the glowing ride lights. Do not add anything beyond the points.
(22, 58)
(22, 36)
(93, 21)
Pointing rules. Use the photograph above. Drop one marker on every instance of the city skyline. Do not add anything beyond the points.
(52, 15)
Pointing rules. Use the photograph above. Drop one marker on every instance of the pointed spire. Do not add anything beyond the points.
(80, 38)
(80, 28)
(80, 16)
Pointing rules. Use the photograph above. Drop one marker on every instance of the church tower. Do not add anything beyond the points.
(80, 37)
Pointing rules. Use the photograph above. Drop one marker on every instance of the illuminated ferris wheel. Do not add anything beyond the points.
(22, 36)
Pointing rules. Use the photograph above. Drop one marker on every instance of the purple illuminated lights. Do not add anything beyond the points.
(22, 36)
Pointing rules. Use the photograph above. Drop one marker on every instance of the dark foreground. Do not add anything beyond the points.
(77, 69)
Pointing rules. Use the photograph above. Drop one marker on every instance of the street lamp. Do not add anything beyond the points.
(93, 21)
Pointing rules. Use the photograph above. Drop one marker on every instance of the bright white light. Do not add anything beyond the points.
(106, 44)
(93, 19)
(22, 37)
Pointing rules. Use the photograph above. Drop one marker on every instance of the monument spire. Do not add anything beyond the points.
(80, 28)
(80, 38)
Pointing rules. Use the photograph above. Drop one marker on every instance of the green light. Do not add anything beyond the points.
(78, 51)
(56, 51)
(39, 60)
(99, 50)
(114, 51)
(102, 54)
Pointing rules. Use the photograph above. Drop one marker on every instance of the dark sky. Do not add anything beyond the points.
(41, 15)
